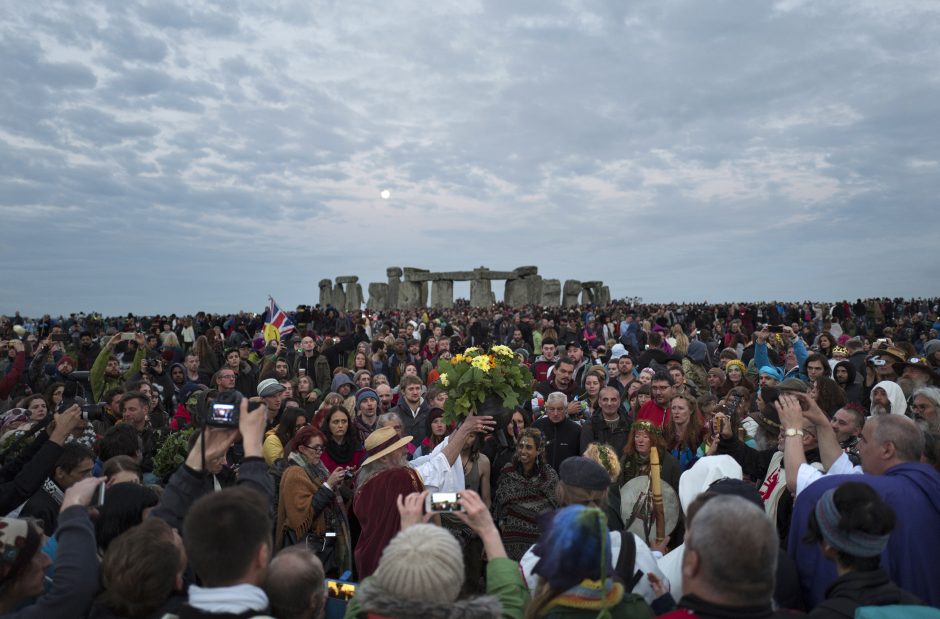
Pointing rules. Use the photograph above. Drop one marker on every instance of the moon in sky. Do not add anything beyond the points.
(386, 194)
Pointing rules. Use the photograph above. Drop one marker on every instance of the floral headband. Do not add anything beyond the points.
(840, 350)
(646, 426)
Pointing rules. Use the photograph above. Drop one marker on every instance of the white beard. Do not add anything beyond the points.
(878, 409)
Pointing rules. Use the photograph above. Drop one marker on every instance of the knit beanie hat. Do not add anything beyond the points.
(366, 392)
(66, 359)
(423, 563)
(736, 363)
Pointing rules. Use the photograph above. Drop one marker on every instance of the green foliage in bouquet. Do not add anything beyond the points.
(471, 376)
(172, 452)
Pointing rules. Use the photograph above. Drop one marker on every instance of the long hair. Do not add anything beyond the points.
(368, 471)
(656, 442)
(693, 431)
(681, 346)
(351, 434)
(288, 424)
(829, 395)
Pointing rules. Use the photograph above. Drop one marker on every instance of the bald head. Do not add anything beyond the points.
(295, 584)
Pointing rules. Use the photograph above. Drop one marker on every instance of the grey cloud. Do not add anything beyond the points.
(719, 150)
(129, 43)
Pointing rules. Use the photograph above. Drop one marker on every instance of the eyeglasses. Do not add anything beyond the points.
(315, 448)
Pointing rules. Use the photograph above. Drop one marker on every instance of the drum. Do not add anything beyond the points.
(636, 504)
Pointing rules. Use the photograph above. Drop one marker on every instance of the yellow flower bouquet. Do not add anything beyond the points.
(472, 376)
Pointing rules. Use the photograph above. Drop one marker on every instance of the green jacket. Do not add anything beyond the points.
(503, 581)
(101, 384)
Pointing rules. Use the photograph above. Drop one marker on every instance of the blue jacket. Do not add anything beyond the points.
(913, 490)
(761, 358)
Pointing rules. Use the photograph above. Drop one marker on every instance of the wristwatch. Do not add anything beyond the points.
(793, 432)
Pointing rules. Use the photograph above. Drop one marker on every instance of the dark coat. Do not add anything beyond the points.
(562, 440)
(596, 430)
(856, 589)
(42, 506)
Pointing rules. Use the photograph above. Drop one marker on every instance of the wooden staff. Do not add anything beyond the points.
(656, 487)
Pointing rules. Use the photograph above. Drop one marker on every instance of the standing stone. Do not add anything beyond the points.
(339, 297)
(570, 292)
(589, 296)
(394, 286)
(353, 297)
(326, 292)
(481, 293)
(347, 279)
(516, 294)
(533, 285)
(442, 293)
(408, 295)
(423, 299)
(551, 293)
(412, 294)
(378, 296)
(602, 295)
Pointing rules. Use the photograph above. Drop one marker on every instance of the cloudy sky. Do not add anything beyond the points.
(175, 156)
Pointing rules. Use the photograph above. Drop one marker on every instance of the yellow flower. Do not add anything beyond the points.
(482, 362)
(470, 351)
(457, 359)
(444, 380)
(503, 351)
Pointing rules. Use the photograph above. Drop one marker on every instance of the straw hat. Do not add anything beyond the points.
(383, 442)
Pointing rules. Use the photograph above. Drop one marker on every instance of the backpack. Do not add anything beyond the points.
(625, 570)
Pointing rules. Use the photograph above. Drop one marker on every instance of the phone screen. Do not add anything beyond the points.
(444, 502)
(223, 413)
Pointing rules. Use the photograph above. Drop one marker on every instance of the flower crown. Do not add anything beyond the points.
(646, 426)
(840, 350)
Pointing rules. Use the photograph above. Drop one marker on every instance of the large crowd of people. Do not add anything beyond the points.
(697, 460)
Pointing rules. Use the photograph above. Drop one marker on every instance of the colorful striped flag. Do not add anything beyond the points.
(278, 324)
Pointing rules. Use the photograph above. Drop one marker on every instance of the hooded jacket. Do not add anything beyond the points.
(853, 390)
(895, 396)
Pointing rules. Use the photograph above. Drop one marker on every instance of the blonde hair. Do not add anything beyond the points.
(681, 347)
(605, 456)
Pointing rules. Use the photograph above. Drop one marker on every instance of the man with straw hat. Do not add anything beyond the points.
(385, 474)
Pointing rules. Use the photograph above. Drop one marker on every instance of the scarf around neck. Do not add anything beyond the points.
(341, 454)
(317, 472)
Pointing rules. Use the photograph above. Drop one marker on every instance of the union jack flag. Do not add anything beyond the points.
(278, 324)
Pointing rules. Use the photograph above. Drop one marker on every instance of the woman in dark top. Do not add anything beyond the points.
(852, 524)
(342, 441)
